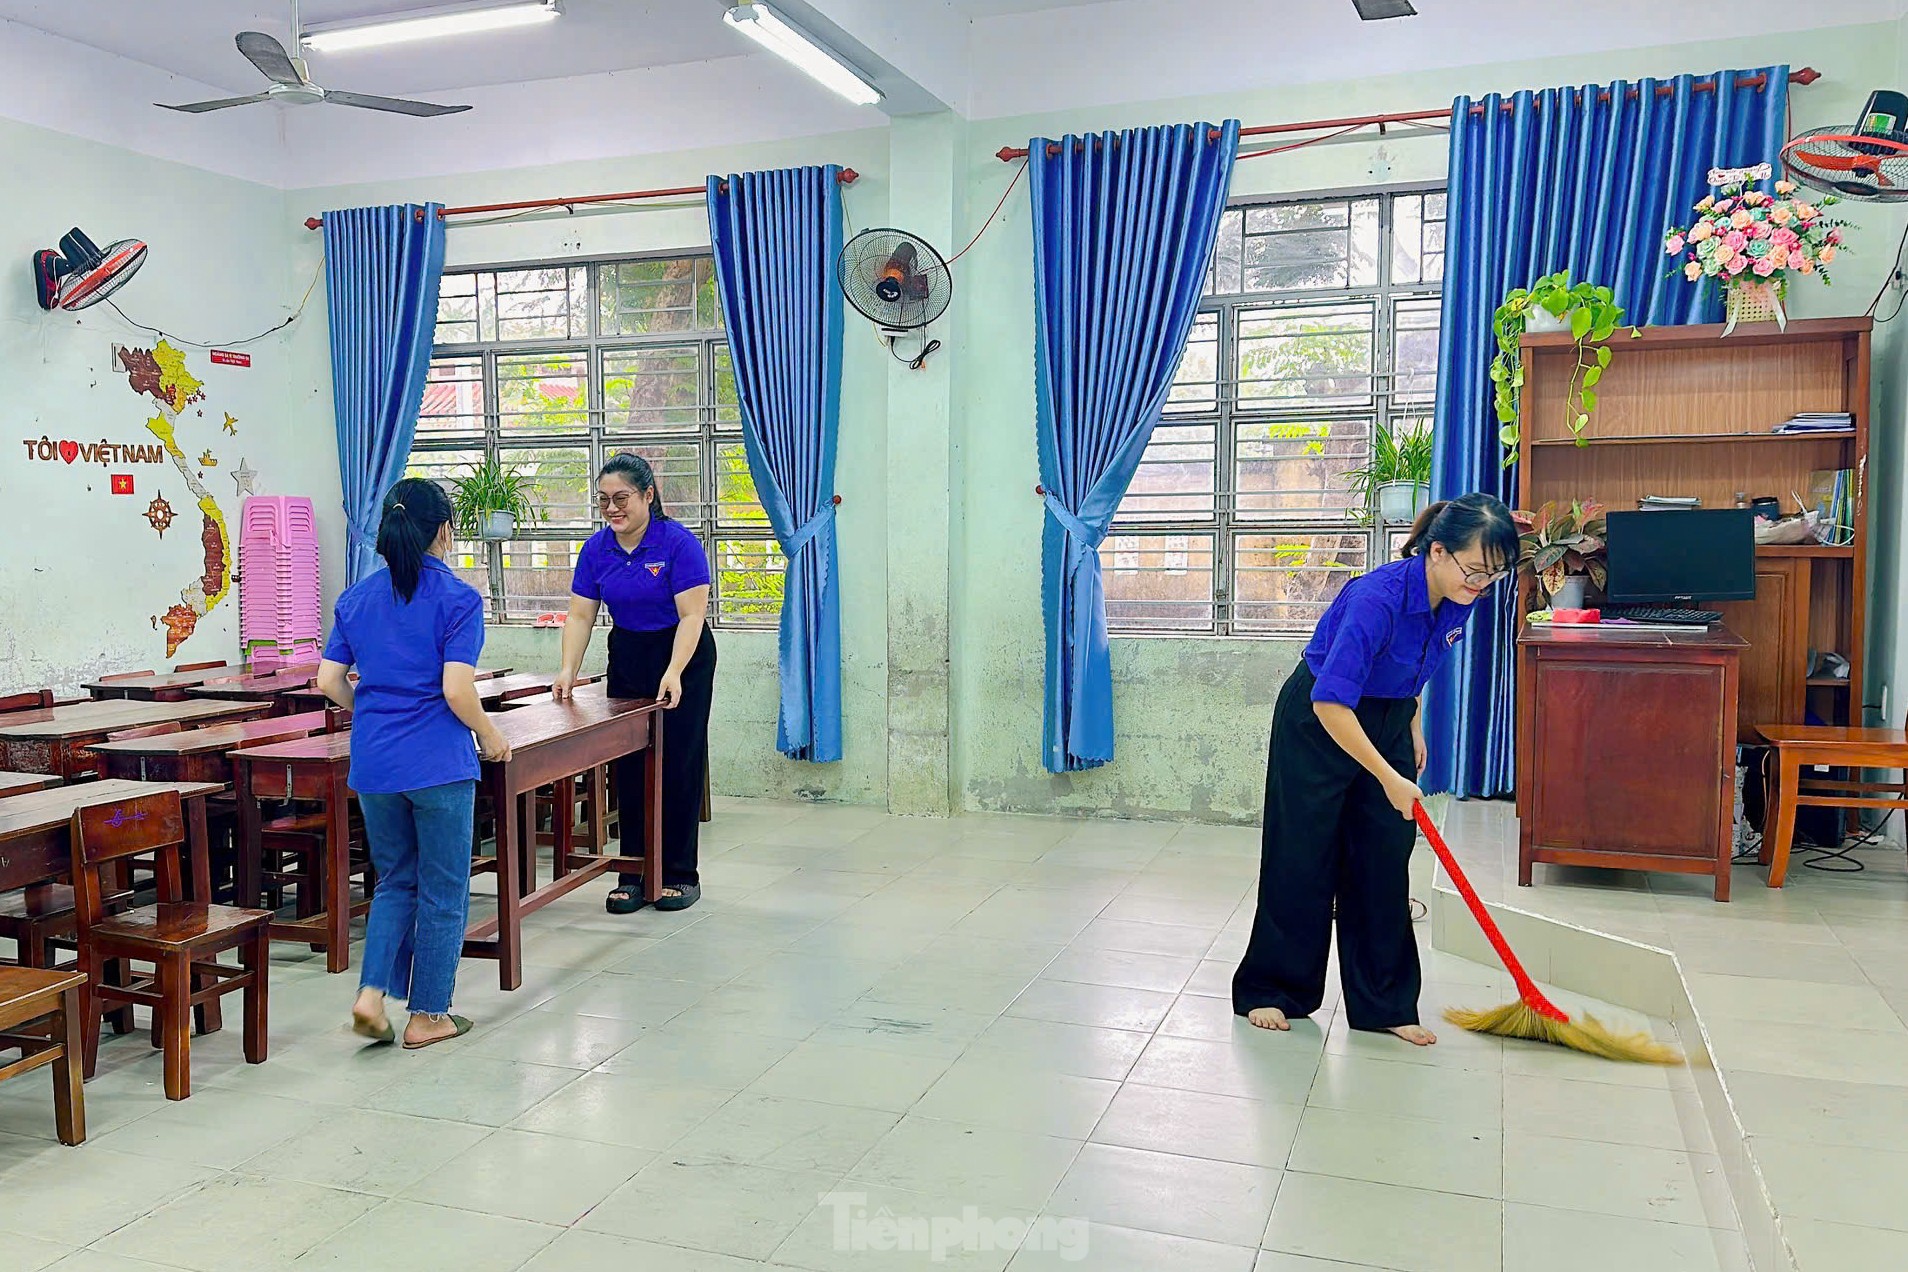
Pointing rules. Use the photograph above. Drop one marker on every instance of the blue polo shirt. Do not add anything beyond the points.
(404, 736)
(640, 587)
(1381, 638)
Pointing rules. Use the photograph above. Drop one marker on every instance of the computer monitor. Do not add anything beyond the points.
(1667, 556)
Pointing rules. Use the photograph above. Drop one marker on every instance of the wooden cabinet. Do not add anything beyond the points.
(1625, 749)
(1775, 664)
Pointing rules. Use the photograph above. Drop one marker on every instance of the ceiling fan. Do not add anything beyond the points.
(291, 82)
(1376, 10)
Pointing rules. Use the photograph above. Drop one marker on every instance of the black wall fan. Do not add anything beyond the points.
(897, 281)
(1866, 161)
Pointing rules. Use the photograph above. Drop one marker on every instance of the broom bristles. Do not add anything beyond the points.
(1588, 1035)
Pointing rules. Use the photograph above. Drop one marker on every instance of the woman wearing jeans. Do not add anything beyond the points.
(414, 630)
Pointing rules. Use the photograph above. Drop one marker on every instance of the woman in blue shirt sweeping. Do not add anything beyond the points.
(414, 630)
(652, 573)
(1347, 747)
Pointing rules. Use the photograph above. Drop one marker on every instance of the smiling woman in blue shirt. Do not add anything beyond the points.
(1341, 779)
(414, 631)
(652, 573)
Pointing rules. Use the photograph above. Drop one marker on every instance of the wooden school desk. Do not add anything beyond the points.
(1626, 749)
(56, 740)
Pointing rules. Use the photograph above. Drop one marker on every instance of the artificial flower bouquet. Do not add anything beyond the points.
(1749, 242)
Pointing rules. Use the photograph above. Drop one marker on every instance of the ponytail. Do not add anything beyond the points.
(414, 512)
(1474, 520)
(635, 470)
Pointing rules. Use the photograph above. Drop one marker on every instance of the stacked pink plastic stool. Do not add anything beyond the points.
(281, 617)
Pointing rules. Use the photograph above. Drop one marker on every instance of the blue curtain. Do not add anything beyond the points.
(1582, 179)
(382, 268)
(1124, 225)
(776, 237)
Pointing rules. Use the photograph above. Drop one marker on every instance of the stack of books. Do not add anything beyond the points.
(1657, 503)
(1817, 422)
(1832, 497)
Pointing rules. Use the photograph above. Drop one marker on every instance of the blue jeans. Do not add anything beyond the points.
(420, 844)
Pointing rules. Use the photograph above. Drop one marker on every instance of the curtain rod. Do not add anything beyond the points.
(847, 176)
(1807, 75)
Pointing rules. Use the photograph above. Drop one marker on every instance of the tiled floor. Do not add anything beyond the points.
(1008, 1038)
(1802, 994)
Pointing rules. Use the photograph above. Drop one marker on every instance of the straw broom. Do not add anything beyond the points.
(1534, 1016)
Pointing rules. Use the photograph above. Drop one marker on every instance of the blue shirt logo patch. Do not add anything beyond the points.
(1453, 636)
(654, 567)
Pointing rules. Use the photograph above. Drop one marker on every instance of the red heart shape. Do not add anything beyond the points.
(69, 451)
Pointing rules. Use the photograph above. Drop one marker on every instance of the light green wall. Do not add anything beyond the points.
(943, 652)
(1193, 714)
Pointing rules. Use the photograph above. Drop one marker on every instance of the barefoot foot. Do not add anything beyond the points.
(1268, 1018)
(1416, 1035)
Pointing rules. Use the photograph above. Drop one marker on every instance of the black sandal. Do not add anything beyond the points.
(690, 894)
(625, 898)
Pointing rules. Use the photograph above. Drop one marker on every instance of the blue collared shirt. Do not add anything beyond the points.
(404, 736)
(1381, 638)
(640, 587)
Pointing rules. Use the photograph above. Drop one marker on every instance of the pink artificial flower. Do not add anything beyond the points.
(1827, 254)
(1725, 204)
(1765, 267)
(1785, 238)
(1805, 265)
(1740, 218)
(1692, 271)
(1785, 187)
(1674, 245)
(1700, 231)
(1736, 265)
(1736, 240)
(1835, 236)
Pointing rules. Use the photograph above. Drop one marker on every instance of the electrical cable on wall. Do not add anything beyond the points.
(228, 344)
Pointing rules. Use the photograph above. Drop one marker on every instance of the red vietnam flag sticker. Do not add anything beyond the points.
(122, 483)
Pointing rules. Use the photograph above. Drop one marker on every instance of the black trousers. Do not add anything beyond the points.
(637, 661)
(1330, 834)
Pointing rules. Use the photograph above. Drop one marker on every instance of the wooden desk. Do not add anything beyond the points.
(551, 743)
(307, 697)
(200, 755)
(258, 687)
(35, 841)
(57, 740)
(25, 783)
(315, 768)
(1626, 749)
(168, 686)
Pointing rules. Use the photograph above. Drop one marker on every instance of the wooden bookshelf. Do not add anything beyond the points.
(1686, 411)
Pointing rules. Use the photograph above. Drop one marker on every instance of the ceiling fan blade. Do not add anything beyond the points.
(199, 108)
(269, 56)
(1376, 10)
(396, 105)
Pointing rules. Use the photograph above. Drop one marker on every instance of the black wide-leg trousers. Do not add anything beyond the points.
(1331, 835)
(637, 661)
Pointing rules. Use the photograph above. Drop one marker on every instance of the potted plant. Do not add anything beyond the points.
(1749, 242)
(1590, 313)
(1562, 547)
(1397, 481)
(490, 500)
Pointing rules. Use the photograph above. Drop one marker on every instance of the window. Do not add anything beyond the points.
(553, 369)
(1319, 325)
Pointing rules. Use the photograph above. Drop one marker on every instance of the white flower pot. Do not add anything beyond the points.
(497, 527)
(1569, 593)
(1400, 502)
(1538, 320)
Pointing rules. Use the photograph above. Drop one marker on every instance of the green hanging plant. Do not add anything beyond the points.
(1591, 315)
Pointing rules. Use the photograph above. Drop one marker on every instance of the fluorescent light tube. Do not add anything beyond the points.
(792, 44)
(429, 24)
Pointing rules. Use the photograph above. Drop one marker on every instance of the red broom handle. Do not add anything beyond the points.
(1526, 988)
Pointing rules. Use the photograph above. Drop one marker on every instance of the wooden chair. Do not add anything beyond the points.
(29, 995)
(1799, 747)
(27, 700)
(204, 666)
(180, 939)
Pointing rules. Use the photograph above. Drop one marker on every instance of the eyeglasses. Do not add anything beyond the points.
(1479, 578)
(617, 501)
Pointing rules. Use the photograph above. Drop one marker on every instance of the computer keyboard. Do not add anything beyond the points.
(1662, 614)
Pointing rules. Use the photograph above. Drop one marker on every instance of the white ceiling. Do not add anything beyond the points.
(627, 77)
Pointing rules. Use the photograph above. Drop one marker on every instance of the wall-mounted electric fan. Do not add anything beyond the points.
(78, 273)
(898, 282)
(1867, 161)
